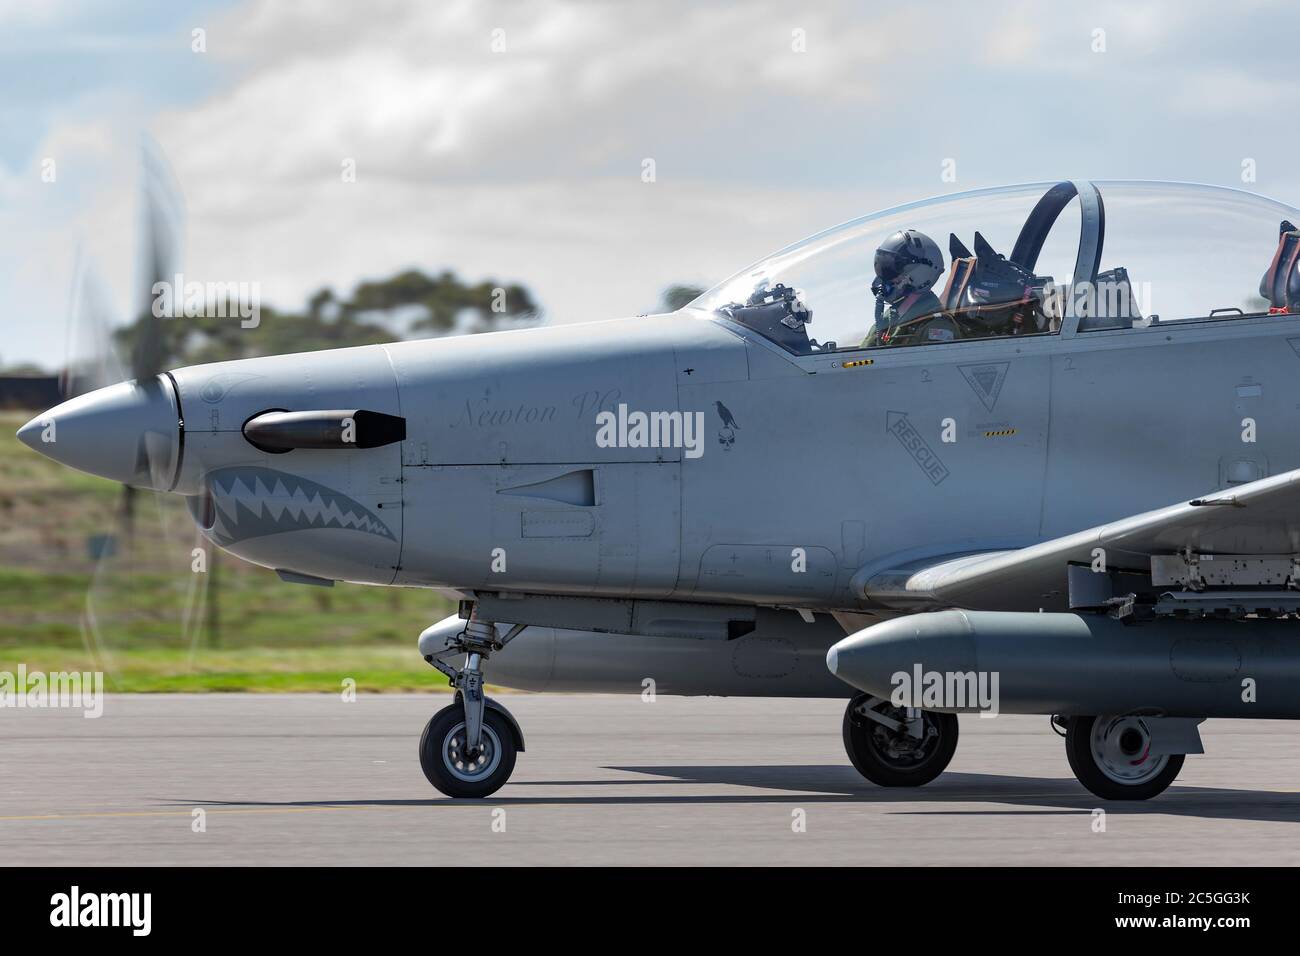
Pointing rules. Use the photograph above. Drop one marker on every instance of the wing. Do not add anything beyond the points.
(1262, 517)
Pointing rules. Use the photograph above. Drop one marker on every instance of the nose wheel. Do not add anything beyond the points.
(468, 749)
(897, 746)
(1112, 757)
(458, 769)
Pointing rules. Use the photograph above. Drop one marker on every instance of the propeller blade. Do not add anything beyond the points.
(90, 360)
(161, 220)
(111, 607)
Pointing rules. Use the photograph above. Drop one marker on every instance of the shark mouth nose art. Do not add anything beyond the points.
(251, 502)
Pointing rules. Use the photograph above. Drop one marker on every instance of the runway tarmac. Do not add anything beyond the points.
(310, 779)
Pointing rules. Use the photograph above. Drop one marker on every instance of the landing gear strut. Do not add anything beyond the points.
(468, 748)
(897, 746)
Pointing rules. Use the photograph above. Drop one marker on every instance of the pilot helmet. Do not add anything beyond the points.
(908, 261)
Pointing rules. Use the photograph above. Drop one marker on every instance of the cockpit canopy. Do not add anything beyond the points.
(1032, 259)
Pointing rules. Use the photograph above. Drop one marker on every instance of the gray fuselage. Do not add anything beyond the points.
(810, 470)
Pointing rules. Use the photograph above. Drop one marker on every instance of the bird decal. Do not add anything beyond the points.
(727, 436)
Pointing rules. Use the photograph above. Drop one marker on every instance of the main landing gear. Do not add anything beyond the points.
(1114, 756)
(897, 746)
(468, 748)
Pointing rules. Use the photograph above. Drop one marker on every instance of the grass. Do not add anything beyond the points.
(265, 669)
(143, 617)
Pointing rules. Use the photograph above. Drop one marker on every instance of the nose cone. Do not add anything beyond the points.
(129, 432)
(870, 659)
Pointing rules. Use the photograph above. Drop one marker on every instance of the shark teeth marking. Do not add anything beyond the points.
(253, 502)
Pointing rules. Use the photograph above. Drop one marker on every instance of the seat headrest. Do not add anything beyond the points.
(958, 279)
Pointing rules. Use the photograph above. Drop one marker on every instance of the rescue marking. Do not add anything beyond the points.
(896, 424)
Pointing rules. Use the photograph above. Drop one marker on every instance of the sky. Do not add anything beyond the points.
(511, 140)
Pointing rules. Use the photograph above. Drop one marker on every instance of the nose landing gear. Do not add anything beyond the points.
(468, 748)
(897, 746)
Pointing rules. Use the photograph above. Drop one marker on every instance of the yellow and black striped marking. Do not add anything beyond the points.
(1002, 433)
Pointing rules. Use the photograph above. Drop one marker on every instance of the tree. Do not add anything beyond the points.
(29, 369)
(319, 300)
(677, 296)
(442, 303)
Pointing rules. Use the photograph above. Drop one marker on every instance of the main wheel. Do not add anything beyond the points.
(1111, 757)
(452, 769)
(891, 758)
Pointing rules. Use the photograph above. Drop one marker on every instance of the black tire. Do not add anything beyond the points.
(1084, 761)
(460, 778)
(866, 743)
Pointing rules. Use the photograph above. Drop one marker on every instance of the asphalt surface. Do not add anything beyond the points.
(300, 779)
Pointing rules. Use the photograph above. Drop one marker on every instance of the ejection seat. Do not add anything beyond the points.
(1111, 304)
(985, 292)
(963, 267)
(1281, 283)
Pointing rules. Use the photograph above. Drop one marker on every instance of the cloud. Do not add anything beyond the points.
(420, 91)
(20, 13)
(525, 162)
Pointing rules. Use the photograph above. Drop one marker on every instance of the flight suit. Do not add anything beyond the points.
(939, 329)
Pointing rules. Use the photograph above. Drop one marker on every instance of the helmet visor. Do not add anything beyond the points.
(890, 265)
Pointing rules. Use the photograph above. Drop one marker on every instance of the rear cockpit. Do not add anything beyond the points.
(1032, 260)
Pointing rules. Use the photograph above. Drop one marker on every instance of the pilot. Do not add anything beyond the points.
(907, 264)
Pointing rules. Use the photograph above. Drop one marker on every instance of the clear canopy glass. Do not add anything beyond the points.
(1183, 250)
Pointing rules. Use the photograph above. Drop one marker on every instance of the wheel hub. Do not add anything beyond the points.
(471, 765)
(1121, 748)
(1130, 741)
(902, 748)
